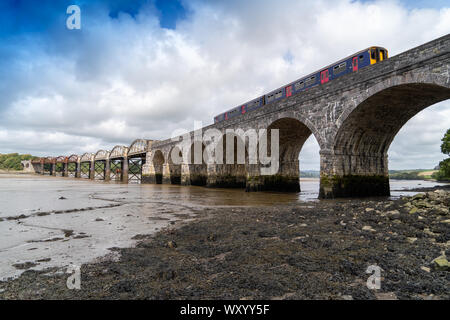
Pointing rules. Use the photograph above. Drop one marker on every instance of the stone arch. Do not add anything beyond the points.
(158, 163)
(358, 164)
(293, 134)
(304, 119)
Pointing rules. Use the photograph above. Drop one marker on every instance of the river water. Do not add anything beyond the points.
(55, 222)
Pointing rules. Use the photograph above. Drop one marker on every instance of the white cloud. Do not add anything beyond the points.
(126, 78)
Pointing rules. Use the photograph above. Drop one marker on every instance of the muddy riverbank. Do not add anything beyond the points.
(311, 250)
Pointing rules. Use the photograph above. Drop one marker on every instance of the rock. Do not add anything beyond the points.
(368, 228)
(413, 210)
(347, 297)
(426, 269)
(429, 232)
(423, 204)
(432, 195)
(212, 237)
(369, 209)
(445, 221)
(62, 198)
(443, 211)
(411, 239)
(171, 244)
(419, 196)
(385, 296)
(441, 264)
(99, 219)
(393, 212)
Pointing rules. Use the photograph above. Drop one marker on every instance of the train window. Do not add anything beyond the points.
(372, 55)
(310, 81)
(361, 58)
(340, 68)
(299, 85)
(279, 94)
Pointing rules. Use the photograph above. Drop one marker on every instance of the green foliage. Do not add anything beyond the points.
(445, 146)
(405, 175)
(444, 166)
(11, 161)
(444, 171)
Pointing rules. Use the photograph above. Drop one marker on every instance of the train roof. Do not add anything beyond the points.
(304, 77)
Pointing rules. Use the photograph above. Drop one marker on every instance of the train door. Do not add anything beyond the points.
(288, 91)
(355, 63)
(243, 109)
(324, 76)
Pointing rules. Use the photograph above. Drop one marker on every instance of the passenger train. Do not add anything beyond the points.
(350, 64)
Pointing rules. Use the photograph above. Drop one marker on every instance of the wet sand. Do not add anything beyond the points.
(288, 250)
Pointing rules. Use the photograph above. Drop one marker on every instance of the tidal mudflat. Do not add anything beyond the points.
(234, 248)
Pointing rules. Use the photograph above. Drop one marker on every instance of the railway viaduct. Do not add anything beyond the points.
(353, 118)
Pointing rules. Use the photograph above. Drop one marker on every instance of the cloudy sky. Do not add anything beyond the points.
(141, 69)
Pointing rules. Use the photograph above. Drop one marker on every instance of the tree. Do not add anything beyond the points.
(444, 166)
(445, 146)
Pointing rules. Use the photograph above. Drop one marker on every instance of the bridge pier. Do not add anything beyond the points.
(166, 174)
(185, 178)
(286, 180)
(107, 170)
(92, 170)
(153, 174)
(346, 175)
(226, 176)
(194, 174)
(125, 170)
(78, 169)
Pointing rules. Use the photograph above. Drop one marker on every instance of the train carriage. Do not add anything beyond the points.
(340, 68)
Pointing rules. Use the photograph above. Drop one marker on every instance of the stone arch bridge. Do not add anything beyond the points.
(354, 119)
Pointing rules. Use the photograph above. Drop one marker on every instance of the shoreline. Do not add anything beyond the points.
(312, 250)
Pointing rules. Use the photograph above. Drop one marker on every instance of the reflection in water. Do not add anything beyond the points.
(52, 221)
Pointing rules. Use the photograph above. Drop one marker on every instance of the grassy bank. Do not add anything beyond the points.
(417, 174)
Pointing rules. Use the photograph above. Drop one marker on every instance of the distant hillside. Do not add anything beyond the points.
(11, 161)
(417, 174)
(309, 174)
